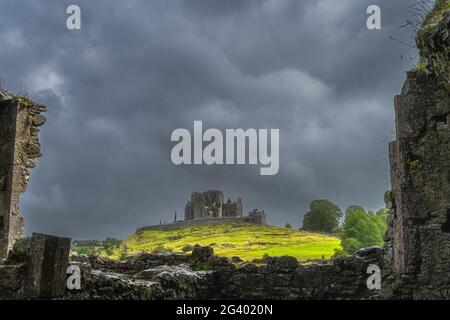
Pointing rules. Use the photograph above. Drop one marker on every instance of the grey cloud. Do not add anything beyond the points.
(140, 69)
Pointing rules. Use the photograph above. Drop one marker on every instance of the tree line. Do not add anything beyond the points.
(357, 228)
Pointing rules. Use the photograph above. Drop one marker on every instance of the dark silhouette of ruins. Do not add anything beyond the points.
(209, 208)
(210, 204)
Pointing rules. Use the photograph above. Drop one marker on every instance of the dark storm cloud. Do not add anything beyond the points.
(140, 69)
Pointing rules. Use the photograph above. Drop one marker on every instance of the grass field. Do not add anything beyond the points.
(85, 249)
(245, 240)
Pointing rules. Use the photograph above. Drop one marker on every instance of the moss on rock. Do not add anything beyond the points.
(433, 41)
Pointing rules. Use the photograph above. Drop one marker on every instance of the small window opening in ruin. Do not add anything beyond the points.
(441, 121)
(441, 118)
(446, 226)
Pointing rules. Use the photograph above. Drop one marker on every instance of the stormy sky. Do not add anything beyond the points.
(139, 69)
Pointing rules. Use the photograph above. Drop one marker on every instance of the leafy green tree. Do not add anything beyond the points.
(363, 229)
(323, 216)
(288, 226)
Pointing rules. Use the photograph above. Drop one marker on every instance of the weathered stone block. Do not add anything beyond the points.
(19, 182)
(200, 253)
(11, 281)
(410, 121)
(46, 266)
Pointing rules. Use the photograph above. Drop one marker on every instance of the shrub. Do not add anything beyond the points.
(323, 216)
(363, 229)
(161, 249)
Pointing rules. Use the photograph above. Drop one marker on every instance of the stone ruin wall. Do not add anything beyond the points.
(20, 119)
(418, 239)
(211, 204)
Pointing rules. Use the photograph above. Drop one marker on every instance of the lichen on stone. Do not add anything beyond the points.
(433, 42)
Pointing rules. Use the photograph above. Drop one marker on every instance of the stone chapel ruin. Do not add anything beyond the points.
(210, 204)
(209, 207)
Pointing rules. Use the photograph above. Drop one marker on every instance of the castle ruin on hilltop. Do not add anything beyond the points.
(210, 204)
(209, 207)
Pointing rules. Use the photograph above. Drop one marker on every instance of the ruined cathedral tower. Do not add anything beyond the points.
(20, 119)
(210, 204)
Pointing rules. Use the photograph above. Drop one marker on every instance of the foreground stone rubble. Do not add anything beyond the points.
(200, 275)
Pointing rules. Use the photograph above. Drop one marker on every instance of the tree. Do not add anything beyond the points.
(288, 226)
(363, 229)
(323, 216)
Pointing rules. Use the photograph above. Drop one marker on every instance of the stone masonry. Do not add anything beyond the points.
(20, 119)
(417, 248)
(47, 261)
(210, 204)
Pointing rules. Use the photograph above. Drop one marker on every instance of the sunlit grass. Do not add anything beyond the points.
(245, 240)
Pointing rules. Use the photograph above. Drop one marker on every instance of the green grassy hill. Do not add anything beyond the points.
(245, 240)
